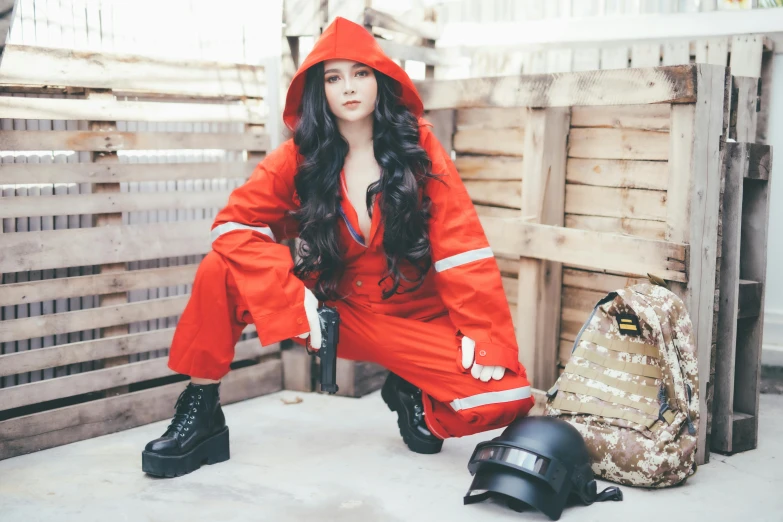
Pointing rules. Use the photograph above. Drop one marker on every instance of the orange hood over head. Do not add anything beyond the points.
(345, 40)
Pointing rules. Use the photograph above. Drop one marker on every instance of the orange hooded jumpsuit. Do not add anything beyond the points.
(248, 278)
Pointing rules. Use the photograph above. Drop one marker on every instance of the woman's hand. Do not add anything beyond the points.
(483, 373)
(311, 309)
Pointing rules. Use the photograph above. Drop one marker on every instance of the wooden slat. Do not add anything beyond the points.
(508, 142)
(36, 66)
(618, 144)
(597, 281)
(22, 173)
(90, 419)
(485, 210)
(116, 141)
(122, 375)
(90, 350)
(66, 248)
(699, 169)
(539, 281)
(653, 117)
(488, 168)
(608, 87)
(495, 193)
(420, 29)
(101, 317)
(111, 202)
(106, 110)
(492, 118)
(631, 227)
(588, 249)
(616, 202)
(35, 291)
(735, 165)
(419, 54)
(651, 175)
(746, 51)
(580, 300)
(744, 116)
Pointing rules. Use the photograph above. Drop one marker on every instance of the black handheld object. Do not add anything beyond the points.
(330, 335)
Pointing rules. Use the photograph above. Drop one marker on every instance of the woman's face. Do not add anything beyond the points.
(351, 89)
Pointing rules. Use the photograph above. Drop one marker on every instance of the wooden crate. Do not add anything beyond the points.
(90, 305)
(585, 182)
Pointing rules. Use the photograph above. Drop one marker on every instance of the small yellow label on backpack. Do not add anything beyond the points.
(628, 324)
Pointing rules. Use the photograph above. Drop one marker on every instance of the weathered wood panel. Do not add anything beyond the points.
(586, 248)
(64, 248)
(507, 142)
(102, 203)
(674, 84)
(488, 168)
(650, 175)
(653, 117)
(22, 173)
(113, 110)
(36, 66)
(623, 144)
(629, 226)
(616, 202)
(115, 141)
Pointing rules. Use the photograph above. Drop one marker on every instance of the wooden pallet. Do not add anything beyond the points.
(90, 304)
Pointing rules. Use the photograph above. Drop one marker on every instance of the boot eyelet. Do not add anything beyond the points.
(199, 396)
(190, 422)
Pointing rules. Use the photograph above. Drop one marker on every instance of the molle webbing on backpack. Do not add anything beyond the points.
(617, 345)
(583, 389)
(651, 392)
(644, 370)
(589, 408)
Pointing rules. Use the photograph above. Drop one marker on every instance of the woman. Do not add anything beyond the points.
(389, 237)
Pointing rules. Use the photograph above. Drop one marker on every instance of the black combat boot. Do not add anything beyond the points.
(198, 434)
(404, 398)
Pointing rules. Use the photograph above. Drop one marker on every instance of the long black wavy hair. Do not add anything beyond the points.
(405, 168)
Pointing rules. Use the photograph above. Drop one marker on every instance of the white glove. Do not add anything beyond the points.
(483, 373)
(311, 309)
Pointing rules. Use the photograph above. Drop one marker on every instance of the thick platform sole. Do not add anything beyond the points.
(211, 450)
(415, 444)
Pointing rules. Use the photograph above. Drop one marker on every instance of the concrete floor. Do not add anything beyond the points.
(338, 459)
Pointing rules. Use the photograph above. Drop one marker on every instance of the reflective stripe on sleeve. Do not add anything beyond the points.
(463, 258)
(483, 399)
(231, 226)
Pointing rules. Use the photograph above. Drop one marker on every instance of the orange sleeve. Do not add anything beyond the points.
(466, 273)
(247, 232)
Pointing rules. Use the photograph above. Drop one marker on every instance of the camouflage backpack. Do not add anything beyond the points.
(631, 388)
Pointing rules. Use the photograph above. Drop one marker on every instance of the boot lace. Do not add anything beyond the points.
(185, 410)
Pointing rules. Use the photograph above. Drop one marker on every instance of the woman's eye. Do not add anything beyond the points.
(332, 78)
(362, 73)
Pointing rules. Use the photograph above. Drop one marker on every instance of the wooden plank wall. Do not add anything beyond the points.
(175, 168)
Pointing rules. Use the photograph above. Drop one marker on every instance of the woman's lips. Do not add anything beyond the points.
(351, 104)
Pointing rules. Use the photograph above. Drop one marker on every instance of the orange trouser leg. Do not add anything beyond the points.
(211, 324)
(427, 355)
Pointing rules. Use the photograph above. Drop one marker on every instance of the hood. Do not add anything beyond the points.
(346, 40)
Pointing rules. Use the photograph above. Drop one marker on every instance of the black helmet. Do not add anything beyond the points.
(537, 461)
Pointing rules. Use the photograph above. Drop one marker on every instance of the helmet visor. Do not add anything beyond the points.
(516, 457)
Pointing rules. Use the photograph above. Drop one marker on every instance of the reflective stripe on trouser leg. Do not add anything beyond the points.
(496, 397)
